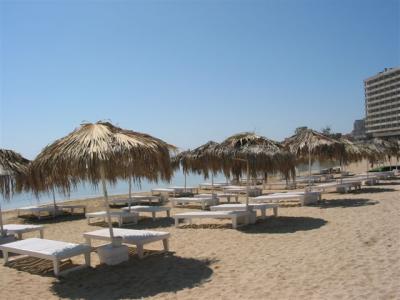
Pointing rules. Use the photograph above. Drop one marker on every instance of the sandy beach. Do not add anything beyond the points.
(345, 247)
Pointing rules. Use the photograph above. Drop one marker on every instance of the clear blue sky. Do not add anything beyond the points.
(189, 71)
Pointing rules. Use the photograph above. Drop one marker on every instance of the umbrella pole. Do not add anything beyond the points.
(54, 202)
(130, 192)
(212, 185)
(103, 182)
(1, 224)
(247, 185)
(184, 172)
(309, 169)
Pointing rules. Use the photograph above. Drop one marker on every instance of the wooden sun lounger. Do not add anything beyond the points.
(55, 251)
(234, 216)
(262, 207)
(123, 217)
(139, 238)
(19, 229)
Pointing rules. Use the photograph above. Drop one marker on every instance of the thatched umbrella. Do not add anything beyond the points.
(376, 148)
(259, 153)
(308, 143)
(102, 152)
(13, 168)
(200, 160)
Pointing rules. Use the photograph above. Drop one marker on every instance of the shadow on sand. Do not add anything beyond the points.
(343, 203)
(66, 217)
(284, 225)
(373, 190)
(135, 278)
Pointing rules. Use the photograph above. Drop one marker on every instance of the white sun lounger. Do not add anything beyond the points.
(342, 187)
(209, 186)
(204, 201)
(150, 209)
(48, 249)
(36, 210)
(139, 238)
(19, 229)
(237, 189)
(279, 185)
(124, 217)
(262, 207)
(302, 197)
(234, 216)
(136, 199)
(71, 208)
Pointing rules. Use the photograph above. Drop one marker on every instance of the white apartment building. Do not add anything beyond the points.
(382, 104)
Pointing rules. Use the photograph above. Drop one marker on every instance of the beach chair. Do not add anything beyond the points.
(55, 251)
(262, 207)
(236, 217)
(123, 217)
(139, 238)
(149, 209)
(304, 198)
(19, 229)
(204, 201)
(36, 210)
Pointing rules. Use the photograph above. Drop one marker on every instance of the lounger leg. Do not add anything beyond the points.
(168, 215)
(229, 199)
(203, 205)
(176, 222)
(139, 249)
(87, 259)
(153, 214)
(120, 221)
(19, 235)
(88, 220)
(263, 213)
(275, 211)
(56, 266)
(88, 241)
(5, 257)
(165, 243)
(41, 233)
(234, 222)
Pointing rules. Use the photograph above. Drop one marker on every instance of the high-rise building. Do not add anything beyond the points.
(359, 129)
(382, 104)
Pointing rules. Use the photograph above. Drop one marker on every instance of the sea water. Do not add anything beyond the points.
(121, 187)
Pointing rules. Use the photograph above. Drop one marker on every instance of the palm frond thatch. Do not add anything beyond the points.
(200, 160)
(310, 142)
(376, 148)
(101, 147)
(13, 169)
(351, 151)
(262, 154)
